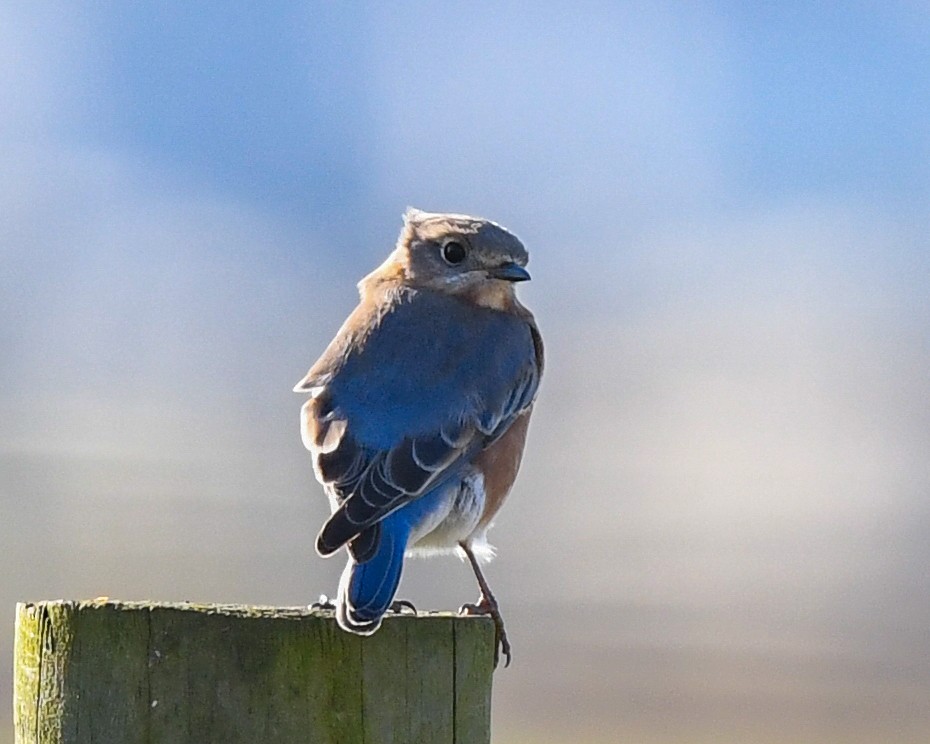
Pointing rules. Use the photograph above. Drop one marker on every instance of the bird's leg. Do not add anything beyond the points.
(487, 605)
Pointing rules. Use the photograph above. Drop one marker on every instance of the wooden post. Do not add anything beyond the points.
(128, 673)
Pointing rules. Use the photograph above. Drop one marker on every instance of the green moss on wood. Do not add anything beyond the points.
(179, 673)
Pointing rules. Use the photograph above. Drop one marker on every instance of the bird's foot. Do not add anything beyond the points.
(323, 603)
(399, 606)
(486, 606)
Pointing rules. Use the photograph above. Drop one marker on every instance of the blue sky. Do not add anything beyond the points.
(297, 107)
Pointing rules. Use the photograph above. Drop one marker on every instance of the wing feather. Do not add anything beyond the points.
(408, 401)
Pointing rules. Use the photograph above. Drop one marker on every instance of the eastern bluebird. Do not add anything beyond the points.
(419, 409)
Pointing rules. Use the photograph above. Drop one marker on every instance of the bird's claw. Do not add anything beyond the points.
(484, 606)
(402, 606)
(323, 603)
(398, 606)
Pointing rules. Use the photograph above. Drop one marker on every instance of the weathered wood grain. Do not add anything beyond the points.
(143, 673)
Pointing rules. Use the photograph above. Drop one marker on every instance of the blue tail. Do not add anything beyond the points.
(367, 589)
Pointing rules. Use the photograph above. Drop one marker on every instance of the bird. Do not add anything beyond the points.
(419, 409)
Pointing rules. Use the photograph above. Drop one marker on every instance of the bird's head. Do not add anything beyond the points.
(462, 255)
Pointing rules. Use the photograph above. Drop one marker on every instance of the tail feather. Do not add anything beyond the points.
(368, 588)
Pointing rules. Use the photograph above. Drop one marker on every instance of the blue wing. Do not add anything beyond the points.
(405, 395)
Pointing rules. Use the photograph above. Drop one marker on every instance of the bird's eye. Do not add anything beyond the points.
(453, 252)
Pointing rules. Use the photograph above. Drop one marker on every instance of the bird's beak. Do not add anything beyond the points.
(510, 272)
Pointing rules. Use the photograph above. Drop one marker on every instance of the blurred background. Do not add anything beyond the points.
(722, 528)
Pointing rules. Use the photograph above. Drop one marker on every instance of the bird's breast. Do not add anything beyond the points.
(499, 465)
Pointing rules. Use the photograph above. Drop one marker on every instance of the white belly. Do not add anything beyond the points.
(446, 528)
